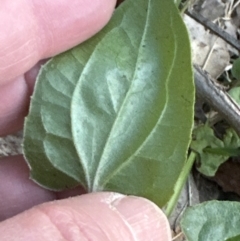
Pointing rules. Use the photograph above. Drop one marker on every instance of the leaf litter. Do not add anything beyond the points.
(215, 142)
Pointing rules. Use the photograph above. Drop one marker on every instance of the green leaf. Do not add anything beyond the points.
(235, 94)
(214, 220)
(236, 238)
(236, 69)
(213, 151)
(116, 112)
(49, 117)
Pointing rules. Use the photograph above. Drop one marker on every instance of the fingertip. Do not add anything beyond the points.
(96, 216)
(14, 101)
(64, 24)
(146, 220)
(17, 191)
(45, 28)
(109, 216)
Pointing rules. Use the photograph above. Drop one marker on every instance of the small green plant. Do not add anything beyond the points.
(212, 220)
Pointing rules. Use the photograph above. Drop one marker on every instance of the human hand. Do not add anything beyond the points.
(31, 31)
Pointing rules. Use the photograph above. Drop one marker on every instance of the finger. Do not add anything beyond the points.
(98, 216)
(14, 101)
(18, 192)
(33, 30)
(31, 75)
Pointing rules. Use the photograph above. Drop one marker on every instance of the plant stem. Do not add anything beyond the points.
(180, 183)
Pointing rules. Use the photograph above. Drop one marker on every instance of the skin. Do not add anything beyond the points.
(30, 32)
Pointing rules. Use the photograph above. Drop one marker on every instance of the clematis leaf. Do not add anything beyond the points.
(213, 151)
(116, 112)
(236, 69)
(213, 221)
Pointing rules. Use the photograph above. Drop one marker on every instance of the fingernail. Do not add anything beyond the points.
(146, 220)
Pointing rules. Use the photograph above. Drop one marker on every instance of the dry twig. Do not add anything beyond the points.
(217, 97)
(215, 29)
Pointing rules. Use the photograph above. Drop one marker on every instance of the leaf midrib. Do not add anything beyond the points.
(161, 114)
(94, 184)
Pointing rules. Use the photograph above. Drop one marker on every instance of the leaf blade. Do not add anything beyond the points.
(213, 220)
(144, 118)
(129, 130)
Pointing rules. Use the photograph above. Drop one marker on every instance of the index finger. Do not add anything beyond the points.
(33, 30)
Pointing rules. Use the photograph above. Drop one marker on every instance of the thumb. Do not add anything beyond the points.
(96, 216)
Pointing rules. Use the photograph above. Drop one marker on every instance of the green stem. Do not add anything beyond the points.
(180, 183)
(223, 151)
